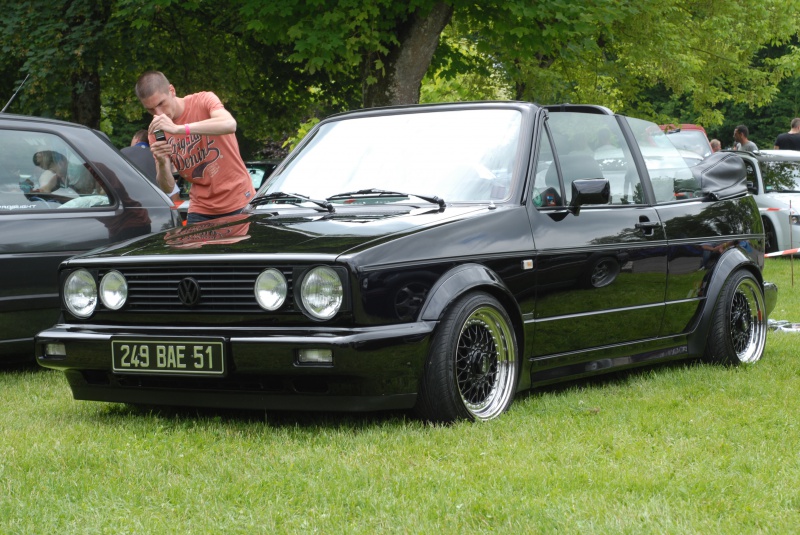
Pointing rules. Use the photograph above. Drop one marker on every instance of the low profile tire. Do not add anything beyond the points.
(739, 322)
(770, 238)
(471, 371)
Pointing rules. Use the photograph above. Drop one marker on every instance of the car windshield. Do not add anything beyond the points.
(456, 155)
(781, 176)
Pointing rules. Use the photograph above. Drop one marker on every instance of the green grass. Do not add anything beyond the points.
(686, 448)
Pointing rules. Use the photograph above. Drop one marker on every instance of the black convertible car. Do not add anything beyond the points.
(64, 189)
(441, 258)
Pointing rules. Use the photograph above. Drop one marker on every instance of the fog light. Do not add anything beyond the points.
(55, 350)
(315, 356)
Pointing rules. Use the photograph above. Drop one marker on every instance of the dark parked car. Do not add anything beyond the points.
(64, 189)
(441, 258)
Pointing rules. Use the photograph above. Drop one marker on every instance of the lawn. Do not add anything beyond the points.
(686, 448)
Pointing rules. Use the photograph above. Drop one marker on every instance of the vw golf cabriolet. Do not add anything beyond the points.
(441, 257)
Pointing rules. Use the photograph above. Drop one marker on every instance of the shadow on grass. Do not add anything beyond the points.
(357, 420)
(22, 365)
(275, 419)
(614, 378)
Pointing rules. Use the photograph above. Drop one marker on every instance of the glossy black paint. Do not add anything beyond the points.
(34, 242)
(589, 288)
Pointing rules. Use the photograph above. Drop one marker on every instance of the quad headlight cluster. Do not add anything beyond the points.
(321, 291)
(81, 292)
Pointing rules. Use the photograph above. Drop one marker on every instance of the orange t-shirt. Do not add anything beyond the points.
(220, 180)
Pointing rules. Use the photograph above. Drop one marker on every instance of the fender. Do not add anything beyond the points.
(464, 278)
(460, 280)
(730, 261)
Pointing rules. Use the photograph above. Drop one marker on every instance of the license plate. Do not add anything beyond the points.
(195, 357)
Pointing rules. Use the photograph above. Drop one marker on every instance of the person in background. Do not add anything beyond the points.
(200, 143)
(716, 146)
(791, 139)
(139, 154)
(54, 170)
(58, 176)
(740, 134)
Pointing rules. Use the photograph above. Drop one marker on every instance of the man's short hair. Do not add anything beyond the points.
(742, 129)
(140, 136)
(795, 123)
(150, 83)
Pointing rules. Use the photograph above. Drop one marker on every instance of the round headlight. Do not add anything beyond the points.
(80, 293)
(322, 292)
(113, 290)
(271, 289)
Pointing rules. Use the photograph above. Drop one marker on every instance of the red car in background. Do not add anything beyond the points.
(690, 137)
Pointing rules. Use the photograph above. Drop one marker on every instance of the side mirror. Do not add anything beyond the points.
(751, 187)
(589, 191)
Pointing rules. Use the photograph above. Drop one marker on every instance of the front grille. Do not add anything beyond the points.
(222, 288)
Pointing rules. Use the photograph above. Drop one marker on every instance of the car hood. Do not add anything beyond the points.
(392, 234)
(776, 199)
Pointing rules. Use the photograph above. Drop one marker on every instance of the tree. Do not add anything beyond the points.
(63, 53)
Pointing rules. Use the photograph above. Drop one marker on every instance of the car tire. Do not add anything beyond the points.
(770, 238)
(471, 371)
(739, 322)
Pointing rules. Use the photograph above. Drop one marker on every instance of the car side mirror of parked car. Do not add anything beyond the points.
(751, 187)
(589, 191)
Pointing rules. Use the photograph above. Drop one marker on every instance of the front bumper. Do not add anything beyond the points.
(373, 368)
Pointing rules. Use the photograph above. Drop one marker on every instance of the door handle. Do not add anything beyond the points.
(646, 226)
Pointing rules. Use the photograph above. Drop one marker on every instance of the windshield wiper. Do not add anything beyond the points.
(279, 195)
(374, 192)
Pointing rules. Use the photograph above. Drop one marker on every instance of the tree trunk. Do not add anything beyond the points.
(86, 98)
(406, 63)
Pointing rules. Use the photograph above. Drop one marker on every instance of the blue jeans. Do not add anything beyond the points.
(193, 217)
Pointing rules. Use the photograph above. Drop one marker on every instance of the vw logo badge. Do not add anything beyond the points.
(189, 291)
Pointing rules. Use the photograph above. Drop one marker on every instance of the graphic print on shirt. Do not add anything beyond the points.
(191, 153)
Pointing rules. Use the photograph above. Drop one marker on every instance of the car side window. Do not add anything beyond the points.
(40, 171)
(593, 146)
(546, 186)
(668, 167)
(752, 179)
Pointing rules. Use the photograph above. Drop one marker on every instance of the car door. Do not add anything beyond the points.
(600, 271)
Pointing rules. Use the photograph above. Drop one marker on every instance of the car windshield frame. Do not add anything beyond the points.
(461, 155)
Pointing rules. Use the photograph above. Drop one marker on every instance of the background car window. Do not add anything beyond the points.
(669, 171)
(781, 176)
(40, 171)
(593, 146)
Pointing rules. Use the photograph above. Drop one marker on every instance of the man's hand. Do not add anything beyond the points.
(162, 122)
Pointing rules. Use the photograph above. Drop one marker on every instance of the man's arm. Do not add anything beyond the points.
(221, 122)
(164, 168)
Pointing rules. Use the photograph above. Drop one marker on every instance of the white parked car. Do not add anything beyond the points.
(773, 178)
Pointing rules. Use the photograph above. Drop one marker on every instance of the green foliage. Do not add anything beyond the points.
(275, 64)
(302, 131)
